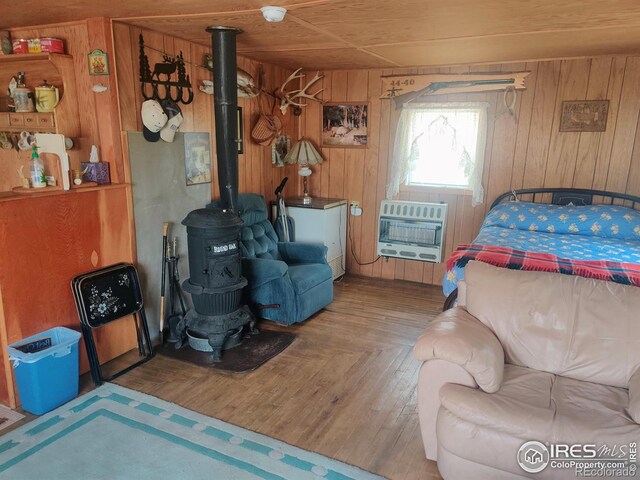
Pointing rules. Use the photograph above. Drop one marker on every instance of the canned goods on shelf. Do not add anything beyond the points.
(34, 45)
(20, 45)
(51, 45)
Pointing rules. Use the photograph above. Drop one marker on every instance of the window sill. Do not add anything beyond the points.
(442, 190)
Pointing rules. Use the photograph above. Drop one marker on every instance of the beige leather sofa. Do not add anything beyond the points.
(528, 356)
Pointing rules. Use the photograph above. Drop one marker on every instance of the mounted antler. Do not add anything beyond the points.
(288, 98)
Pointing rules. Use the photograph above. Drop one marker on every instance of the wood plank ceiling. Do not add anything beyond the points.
(334, 34)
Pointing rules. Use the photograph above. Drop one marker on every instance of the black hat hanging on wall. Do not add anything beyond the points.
(160, 84)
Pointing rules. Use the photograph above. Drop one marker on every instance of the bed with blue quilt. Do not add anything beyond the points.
(581, 232)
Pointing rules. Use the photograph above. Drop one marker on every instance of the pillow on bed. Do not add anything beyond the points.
(592, 220)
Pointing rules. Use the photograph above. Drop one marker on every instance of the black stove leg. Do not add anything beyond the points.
(216, 340)
(251, 323)
(252, 327)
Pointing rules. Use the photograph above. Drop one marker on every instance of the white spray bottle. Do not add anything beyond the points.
(36, 170)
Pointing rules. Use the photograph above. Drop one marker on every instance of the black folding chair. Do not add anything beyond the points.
(106, 295)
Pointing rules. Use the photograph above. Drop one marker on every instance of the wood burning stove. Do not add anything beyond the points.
(213, 234)
(215, 281)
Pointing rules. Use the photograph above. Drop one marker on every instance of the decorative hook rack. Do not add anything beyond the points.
(173, 89)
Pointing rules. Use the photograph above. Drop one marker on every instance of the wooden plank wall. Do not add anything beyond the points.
(526, 151)
(47, 240)
(255, 171)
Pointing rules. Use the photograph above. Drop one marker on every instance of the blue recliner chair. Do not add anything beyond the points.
(292, 279)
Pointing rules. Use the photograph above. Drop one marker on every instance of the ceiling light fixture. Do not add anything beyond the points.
(273, 14)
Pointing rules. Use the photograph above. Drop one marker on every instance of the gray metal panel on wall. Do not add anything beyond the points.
(160, 194)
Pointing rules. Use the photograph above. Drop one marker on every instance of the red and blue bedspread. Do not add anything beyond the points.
(599, 241)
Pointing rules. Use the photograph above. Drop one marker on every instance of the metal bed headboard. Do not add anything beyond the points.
(574, 196)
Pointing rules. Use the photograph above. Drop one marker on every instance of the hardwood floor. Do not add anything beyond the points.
(346, 387)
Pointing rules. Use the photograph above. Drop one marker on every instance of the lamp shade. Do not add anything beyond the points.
(303, 153)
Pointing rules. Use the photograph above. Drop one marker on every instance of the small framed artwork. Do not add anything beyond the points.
(197, 158)
(279, 149)
(240, 133)
(584, 116)
(344, 125)
(98, 63)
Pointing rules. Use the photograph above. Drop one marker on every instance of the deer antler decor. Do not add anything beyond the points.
(288, 98)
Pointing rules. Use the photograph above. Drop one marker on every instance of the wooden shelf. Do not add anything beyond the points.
(43, 122)
(33, 57)
(84, 185)
(46, 192)
(34, 191)
(28, 129)
(56, 69)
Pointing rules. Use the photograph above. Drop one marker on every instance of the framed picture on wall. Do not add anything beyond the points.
(197, 158)
(279, 149)
(584, 116)
(344, 125)
(98, 63)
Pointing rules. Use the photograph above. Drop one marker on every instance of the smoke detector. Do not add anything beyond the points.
(273, 14)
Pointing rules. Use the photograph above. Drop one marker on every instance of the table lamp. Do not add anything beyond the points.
(304, 154)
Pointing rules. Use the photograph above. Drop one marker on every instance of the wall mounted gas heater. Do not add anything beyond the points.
(412, 230)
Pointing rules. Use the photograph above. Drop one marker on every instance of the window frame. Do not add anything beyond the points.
(465, 190)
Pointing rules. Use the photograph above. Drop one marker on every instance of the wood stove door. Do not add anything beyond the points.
(223, 264)
(224, 271)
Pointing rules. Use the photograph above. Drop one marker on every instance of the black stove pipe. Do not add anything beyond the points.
(223, 40)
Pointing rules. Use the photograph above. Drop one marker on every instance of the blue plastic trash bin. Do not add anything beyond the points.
(49, 377)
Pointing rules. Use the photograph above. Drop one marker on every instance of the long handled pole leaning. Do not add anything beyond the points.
(165, 234)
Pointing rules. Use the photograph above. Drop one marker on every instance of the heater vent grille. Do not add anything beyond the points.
(415, 210)
(412, 230)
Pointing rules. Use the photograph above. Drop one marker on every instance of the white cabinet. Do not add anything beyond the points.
(324, 220)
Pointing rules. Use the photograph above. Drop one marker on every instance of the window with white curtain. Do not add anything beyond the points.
(440, 145)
